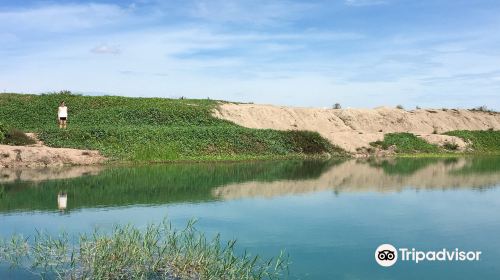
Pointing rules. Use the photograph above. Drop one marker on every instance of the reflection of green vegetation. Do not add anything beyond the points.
(482, 141)
(480, 165)
(157, 184)
(153, 129)
(403, 166)
(408, 166)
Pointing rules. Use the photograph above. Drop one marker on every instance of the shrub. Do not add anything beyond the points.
(406, 143)
(400, 107)
(450, 146)
(17, 137)
(3, 130)
(337, 106)
(482, 108)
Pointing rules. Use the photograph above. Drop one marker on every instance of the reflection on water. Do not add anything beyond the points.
(62, 201)
(384, 176)
(329, 216)
(27, 190)
(10, 175)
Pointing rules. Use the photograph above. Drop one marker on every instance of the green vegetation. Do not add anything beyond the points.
(487, 141)
(3, 130)
(14, 136)
(159, 252)
(153, 129)
(406, 143)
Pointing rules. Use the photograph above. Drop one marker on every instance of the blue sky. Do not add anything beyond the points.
(360, 53)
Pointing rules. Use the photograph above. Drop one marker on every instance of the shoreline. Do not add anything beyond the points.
(41, 156)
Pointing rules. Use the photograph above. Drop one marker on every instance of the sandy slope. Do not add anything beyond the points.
(354, 128)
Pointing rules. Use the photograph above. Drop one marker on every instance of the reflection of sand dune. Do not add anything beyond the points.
(351, 176)
(42, 174)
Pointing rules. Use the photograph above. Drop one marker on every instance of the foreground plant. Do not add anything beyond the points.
(159, 252)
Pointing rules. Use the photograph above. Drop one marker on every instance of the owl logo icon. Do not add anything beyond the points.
(386, 255)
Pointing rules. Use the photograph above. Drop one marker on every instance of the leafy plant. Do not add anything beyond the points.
(3, 130)
(406, 143)
(484, 141)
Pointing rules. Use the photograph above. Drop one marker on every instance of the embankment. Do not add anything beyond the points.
(142, 130)
(353, 129)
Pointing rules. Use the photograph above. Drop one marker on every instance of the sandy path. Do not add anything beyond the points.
(352, 129)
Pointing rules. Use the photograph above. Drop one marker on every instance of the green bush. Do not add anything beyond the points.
(406, 143)
(17, 137)
(484, 141)
(2, 132)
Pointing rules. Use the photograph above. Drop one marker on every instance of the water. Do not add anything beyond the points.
(329, 216)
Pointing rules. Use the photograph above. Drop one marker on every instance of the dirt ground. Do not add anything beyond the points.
(354, 129)
(39, 155)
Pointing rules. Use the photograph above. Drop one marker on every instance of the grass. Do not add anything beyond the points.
(487, 141)
(158, 252)
(406, 143)
(157, 143)
(482, 142)
(153, 129)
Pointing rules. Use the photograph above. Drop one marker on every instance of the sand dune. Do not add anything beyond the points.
(355, 128)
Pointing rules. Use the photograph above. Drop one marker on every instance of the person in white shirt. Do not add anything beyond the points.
(62, 115)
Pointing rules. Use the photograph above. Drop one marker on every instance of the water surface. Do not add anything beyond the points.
(329, 216)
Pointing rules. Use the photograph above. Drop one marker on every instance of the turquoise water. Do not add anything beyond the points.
(329, 216)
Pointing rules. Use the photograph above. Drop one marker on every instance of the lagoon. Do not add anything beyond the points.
(329, 216)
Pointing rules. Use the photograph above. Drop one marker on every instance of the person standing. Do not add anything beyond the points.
(62, 115)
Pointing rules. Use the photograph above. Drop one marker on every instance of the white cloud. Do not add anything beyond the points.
(197, 58)
(105, 49)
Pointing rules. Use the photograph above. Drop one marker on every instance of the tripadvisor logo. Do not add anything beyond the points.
(387, 255)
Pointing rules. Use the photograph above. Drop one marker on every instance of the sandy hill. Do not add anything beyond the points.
(355, 128)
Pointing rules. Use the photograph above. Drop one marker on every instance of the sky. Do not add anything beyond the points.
(359, 53)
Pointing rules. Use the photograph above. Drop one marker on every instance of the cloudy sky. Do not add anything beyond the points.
(360, 53)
